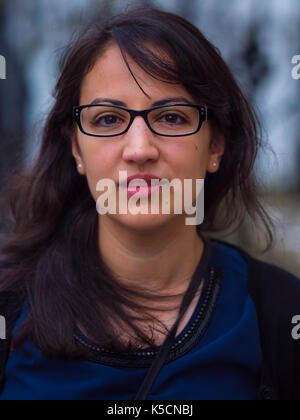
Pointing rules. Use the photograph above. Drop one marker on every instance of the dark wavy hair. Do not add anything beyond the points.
(51, 256)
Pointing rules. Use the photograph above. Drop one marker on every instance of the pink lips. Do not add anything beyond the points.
(139, 190)
(146, 177)
(142, 191)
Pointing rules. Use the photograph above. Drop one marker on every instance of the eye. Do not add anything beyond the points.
(172, 118)
(107, 120)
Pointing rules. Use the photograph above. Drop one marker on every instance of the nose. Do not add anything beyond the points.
(138, 143)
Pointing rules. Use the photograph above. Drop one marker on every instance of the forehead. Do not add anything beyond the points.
(110, 77)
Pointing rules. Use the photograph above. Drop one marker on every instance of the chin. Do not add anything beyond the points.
(143, 223)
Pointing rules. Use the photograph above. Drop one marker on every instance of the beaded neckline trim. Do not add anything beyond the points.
(187, 339)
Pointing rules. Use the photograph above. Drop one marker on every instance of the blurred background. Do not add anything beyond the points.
(257, 38)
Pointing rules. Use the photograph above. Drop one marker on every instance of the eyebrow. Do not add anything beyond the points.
(156, 103)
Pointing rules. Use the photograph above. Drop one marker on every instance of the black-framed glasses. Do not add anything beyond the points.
(173, 120)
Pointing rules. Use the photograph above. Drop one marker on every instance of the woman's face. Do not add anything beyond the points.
(139, 150)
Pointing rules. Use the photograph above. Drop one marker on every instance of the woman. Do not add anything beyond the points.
(120, 305)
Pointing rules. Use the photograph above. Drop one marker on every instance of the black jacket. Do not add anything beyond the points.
(276, 295)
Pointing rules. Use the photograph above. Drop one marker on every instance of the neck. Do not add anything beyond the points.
(163, 259)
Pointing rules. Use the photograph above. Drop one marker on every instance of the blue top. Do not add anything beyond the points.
(216, 357)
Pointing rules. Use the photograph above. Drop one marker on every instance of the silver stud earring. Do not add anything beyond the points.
(79, 166)
(214, 164)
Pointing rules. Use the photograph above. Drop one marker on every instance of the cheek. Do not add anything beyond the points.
(199, 160)
(188, 160)
(99, 161)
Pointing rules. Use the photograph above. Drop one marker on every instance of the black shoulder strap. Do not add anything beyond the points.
(277, 300)
(276, 295)
(268, 389)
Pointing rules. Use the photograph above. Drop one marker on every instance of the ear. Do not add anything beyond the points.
(77, 156)
(217, 150)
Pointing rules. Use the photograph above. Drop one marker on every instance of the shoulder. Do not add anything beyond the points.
(277, 284)
(270, 280)
(276, 295)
